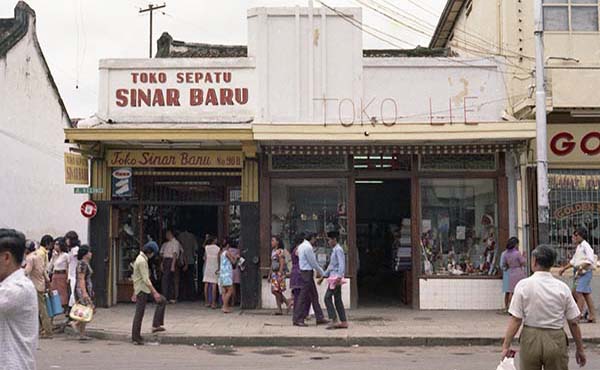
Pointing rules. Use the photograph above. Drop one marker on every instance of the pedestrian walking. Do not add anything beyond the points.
(278, 274)
(514, 264)
(505, 282)
(583, 264)
(335, 274)
(72, 240)
(170, 252)
(237, 271)
(308, 293)
(190, 245)
(142, 289)
(227, 260)
(295, 277)
(58, 269)
(542, 304)
(18, 306)
(211, 266)
(84, 290)
(35, 271)
(45, 249)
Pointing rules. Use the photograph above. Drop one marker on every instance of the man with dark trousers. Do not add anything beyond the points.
(308, 292)
(143, 287)
(336, 271)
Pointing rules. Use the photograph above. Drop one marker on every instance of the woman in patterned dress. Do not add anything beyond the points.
(84, 290)
(278, 274)
(227, 260)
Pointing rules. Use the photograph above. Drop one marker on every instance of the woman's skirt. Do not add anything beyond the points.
(277, 282)
(59, 283)
(583, 283)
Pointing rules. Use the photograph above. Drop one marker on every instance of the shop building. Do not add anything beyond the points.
(408, 158)
(35, 198)
(571, 29)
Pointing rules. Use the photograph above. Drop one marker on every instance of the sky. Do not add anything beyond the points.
(75, 34)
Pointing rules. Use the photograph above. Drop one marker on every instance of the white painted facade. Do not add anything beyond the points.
(34, 198)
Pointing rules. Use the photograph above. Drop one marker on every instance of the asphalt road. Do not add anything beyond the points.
(63, 353)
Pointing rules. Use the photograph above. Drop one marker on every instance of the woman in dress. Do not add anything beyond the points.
(84, 290)
(227, 260)
(211, 266)
(583, 264)
(237, 273)
(58, 269)
(514, 263)
(505, 281)
(278, 274)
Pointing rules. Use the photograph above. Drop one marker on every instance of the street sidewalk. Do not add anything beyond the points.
(193, 324)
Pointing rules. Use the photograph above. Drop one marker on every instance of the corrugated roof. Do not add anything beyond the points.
(169, 48)
(446, 23)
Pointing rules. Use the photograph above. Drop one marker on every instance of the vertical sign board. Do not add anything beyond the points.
(121, 179)
(76, 169)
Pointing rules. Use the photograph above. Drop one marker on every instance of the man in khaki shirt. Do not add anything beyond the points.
(36, 272)
(542, 304)
(142, 288)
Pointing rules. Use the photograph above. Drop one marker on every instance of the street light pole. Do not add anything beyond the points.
(541, 135)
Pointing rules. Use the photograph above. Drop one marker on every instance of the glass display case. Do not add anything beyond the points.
(459, 221)
(128, 241)
(313, 206)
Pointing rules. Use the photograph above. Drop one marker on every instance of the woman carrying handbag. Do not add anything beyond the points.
(84, 292)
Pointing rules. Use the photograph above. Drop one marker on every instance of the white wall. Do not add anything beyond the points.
(461, 294)
(33, 194)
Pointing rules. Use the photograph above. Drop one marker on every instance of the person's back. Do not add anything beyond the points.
(18, 306)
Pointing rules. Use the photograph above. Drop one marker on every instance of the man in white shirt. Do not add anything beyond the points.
(308, 292)
(18, 306)
(170, 252)
(542, 304)
(583, 269)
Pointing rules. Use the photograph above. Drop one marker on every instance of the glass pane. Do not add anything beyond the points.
(459, 227)
(555, 1)
(308, 162)
(584, 18)
(584, 1)
(312, 205)
(556, 18)
(458, 162)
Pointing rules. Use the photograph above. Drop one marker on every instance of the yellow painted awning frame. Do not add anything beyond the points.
(74, 135)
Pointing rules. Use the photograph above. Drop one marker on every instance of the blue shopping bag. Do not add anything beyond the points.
(48, 305)
(57, 307)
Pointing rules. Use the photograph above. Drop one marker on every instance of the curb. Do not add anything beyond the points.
(286, 341)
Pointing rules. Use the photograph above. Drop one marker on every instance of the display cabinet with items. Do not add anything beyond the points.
(458, 227)
(128, 241)
(310, 206)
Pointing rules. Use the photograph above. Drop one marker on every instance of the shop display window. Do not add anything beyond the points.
(128, 240)
(459, 220)
(310, 205)
(574, 202)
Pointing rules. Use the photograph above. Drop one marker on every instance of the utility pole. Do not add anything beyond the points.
(151, 8)
(541, 135)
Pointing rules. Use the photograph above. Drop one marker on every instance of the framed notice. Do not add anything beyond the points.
(76, 169)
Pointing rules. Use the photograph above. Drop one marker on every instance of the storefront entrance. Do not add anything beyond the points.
(383, 241)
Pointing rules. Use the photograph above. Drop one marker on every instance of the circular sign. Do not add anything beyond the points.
(89, 209)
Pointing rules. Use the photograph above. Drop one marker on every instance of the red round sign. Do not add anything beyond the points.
(89, 209)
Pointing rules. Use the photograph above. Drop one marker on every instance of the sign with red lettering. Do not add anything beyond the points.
(166, 94)
(175, 158)
(89, 209)
(573, 143)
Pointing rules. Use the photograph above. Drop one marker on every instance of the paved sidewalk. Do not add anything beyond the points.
(192, 323)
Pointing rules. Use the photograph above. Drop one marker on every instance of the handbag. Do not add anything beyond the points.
(81, 313)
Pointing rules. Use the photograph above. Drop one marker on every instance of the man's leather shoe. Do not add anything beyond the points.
(322, 322)
(301, 324)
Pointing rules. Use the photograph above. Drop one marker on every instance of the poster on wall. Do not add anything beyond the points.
(122, 185)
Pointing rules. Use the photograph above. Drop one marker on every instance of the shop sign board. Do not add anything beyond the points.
(76, 169)
(575, 182)
(121, 180)
(573, 143)
(174, 159)
(575, 209)
(175, 91)
(89, 209)
(88, 190)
